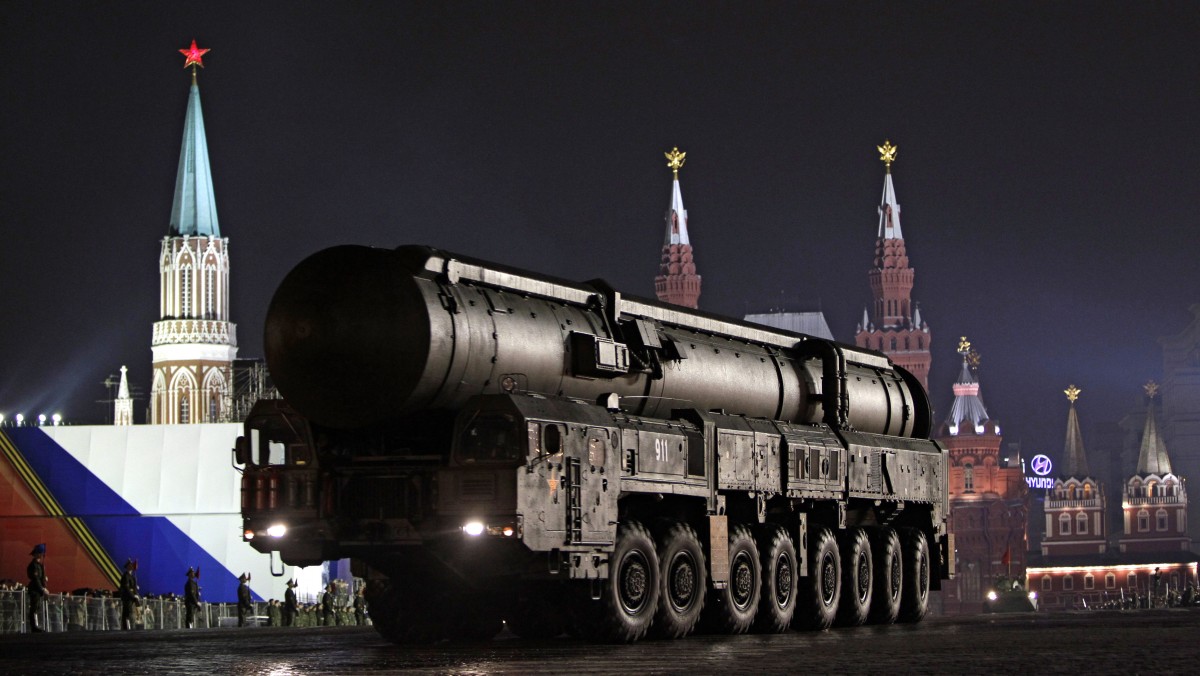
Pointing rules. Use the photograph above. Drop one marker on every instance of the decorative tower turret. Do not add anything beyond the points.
(894, 325)
(1074, 509)
(123, 404)
(194, 342)
(988, 509)
(677, 281)
(1155, 502)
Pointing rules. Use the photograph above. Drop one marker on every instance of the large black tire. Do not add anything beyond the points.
(914, 597)
(475, 619)
(683, 575)
(820, 592)
(777, 604)
(629, 597)
(412, 616)
(889, 575)
(536, 615)
(732, 610)
(857, 578)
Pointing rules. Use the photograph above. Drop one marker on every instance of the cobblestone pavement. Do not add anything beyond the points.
(1125, 642)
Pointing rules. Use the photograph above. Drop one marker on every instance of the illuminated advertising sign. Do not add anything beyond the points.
(1041, 467)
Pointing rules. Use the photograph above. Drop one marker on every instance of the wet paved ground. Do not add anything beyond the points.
(1133, 642)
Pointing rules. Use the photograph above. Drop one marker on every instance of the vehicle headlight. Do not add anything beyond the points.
(1032, 596)
(277, 530)
(992, 596)
(473, 528)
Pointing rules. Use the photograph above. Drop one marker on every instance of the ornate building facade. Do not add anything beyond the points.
(893, 324)
(988, 496)
(1078, 567)
(677, 282)
(194, 343)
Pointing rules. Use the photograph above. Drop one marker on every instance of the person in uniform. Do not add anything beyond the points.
(360, 608)
(245, 604)
(327, 606)
(289, 604)
(127, 589)
(37, 587)
(191, 597)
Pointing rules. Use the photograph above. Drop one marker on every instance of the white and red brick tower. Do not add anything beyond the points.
(1155, 501)
(194, 342)
(893, 325)
(1074, 509)
(677, 281)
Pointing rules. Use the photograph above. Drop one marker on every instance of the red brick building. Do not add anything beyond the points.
(988, 496)
(1077, 566)
(893, 325)
(677, 282)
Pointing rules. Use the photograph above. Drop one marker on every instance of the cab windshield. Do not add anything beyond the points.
(491, 438)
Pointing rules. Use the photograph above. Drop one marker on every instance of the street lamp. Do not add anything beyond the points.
(41, 419)
(20, 419)
(57, 418)
(1, 420)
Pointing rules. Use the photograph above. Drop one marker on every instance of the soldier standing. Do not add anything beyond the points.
(37, 587)
(245, 604)
(128, 591)
(327, 606)
(360, 609)
(191, 597)
(289, 604)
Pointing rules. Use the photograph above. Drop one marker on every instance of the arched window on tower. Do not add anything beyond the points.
(1081, 523)
(185, 409)
(185, 292)
(1087, 491)
(968, 478)
(1143, 521)
(210, 295)
(1064, 524)
(1160, 520)
(893, 344)
(213, 408)
(1110, 581)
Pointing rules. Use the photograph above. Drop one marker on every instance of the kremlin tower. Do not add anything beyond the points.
(894, 326)
(1075, 522)
(988, 508)
(677, 281)
(194, 342)
(1155, 501)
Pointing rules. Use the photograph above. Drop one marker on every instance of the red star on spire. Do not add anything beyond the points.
(194, 55)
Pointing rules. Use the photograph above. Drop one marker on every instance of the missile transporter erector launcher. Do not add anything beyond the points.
(490, 444)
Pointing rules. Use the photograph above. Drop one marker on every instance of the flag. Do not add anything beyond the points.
(1007, 558)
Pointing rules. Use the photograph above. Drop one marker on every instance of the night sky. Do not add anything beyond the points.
(1047, 169)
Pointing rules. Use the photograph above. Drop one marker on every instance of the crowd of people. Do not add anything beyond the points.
(338, 606)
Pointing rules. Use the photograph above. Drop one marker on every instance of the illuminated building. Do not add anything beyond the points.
(1077, 568)
(194, 342)
(677, 281)
(988, 496)
(1181, 404)
(894, 325)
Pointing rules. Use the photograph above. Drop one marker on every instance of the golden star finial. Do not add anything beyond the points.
(675, 160)
(1072, 393)
(964, 345)
(887, 154)
(1151, 388)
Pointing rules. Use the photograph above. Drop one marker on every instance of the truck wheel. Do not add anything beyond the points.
(889, 575)
(535, 616)
(914, 597)
(381, 597)
(857, 578)
(732, 610)
(777, 605)
(630, 596)
(476, 620)
(820, 592)
(413, 616)
(684, 579)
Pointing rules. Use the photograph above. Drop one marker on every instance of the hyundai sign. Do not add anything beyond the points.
(1041, 466)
